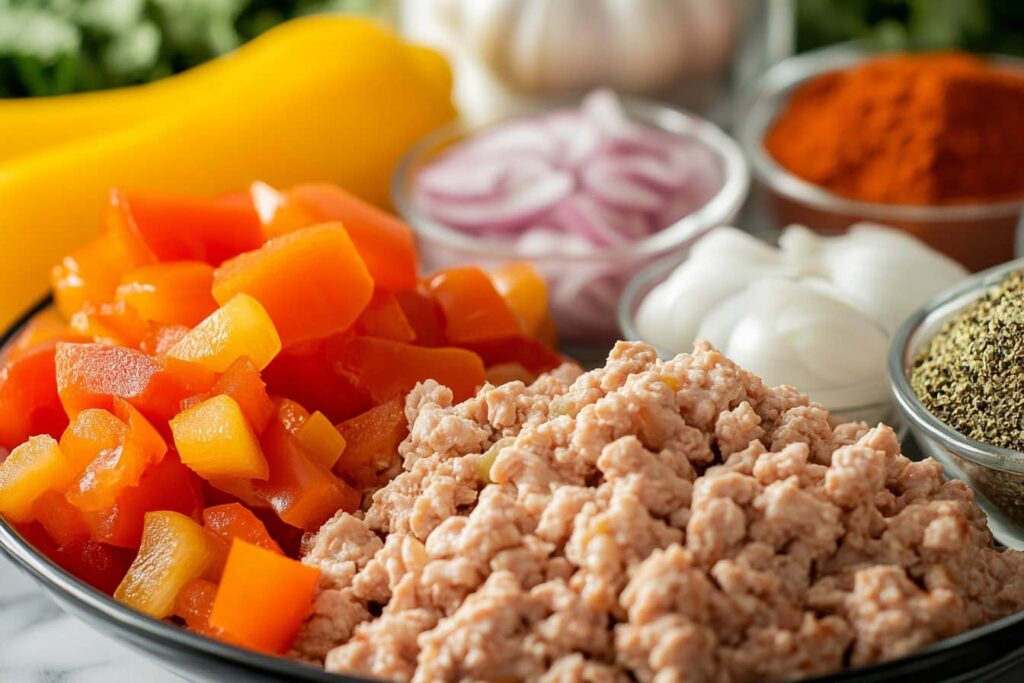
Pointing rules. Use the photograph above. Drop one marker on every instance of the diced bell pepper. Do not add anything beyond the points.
(320, 440)
(32, 469)
(174, 551)
(241, 327)
(242, 382)
(216, 440)
(473, 309)
(372, 441)
(177, 293)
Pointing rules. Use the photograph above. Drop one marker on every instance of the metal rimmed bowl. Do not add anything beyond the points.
(592, 280)
(977, 235)
(990, 653)
(654, 274)
(996, 474)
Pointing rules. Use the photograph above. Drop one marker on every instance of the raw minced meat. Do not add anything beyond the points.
(654, 521)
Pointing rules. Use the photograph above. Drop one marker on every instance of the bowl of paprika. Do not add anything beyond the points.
(927, 143)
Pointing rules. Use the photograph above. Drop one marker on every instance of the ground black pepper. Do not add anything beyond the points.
(971, 374)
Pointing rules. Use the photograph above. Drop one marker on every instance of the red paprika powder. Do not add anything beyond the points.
(933, 128)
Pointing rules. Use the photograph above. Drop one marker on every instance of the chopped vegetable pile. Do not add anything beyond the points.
(221, 376)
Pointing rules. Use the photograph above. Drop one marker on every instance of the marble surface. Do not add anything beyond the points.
(40, 643)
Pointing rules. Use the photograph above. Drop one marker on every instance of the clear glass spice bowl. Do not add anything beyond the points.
(581, 286)
(995, 474)
(864, 408)
(978, 235)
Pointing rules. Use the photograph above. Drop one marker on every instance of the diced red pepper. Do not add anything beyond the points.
(231, 520)
(112, 470)
(178, 293)
(313, 282)
(372, 440)
(112, 323)
(167, 485)
(304, 494)
(388, 369)
(100, 565)
(526, 351)
(172, 228)
(194, 604)
(242, 382)
(91, 375)
(90, 275)
(63, 522)
(385, 243)
(384, 318)
(29, 402)
(473, 309)
(306, 374)
(424, 315)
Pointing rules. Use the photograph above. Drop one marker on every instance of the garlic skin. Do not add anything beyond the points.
(815, 312)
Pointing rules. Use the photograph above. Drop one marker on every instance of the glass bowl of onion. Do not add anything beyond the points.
(589, 194)
(979, 235)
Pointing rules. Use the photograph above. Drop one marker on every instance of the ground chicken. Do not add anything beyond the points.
(661, 521)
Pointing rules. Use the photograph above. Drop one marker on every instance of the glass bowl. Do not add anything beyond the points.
(995, 474)
(984, 653)
(654, 274)
(584, 284)
(977, 235)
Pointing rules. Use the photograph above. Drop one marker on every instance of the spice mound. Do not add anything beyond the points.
(909, 129)
(971, 374)
(648, 520)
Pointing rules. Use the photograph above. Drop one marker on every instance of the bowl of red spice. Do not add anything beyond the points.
(929, 143)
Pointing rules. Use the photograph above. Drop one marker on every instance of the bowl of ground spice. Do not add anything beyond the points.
(956, 370)
(929, 143)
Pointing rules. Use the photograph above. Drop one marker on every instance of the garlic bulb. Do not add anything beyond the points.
(630, 45)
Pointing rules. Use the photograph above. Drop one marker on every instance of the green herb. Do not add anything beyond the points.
(54, 47)
(978, 25)
(971, 375)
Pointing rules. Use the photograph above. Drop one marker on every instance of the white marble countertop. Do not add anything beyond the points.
(39, 642)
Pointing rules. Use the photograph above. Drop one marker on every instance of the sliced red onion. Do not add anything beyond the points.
(568, 183)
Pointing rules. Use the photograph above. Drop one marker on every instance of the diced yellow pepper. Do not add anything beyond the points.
(321, 440)
(32, 469)
(174, 551)
(216, 441)
(241, 327)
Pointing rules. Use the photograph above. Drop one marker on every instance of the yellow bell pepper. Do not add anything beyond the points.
(324, 98)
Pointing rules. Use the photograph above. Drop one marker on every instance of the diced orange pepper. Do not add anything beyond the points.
(232, 520)
(424, 315)
(525, 292)
(90, 433)
(114, 469)
(62, 520)
(372, 440)
(241, 327)
(167, 485)
(178, 293)
(526, 351)
(216, 440)
(306, 374)
(312, 282)
(194, 604)
(162, 339)
(389, 369)
(112, 323)
(32, 469)
(304, 493)
(45, 329)
(100, 565)
(172, 228)
(263, 597)
(174, 551)
(473, 309)
(29, 402)
(384, 241)
(91, 375)
(320, 440)
(547, 332)
(91, 274)
(384, 318)
(242, 382)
